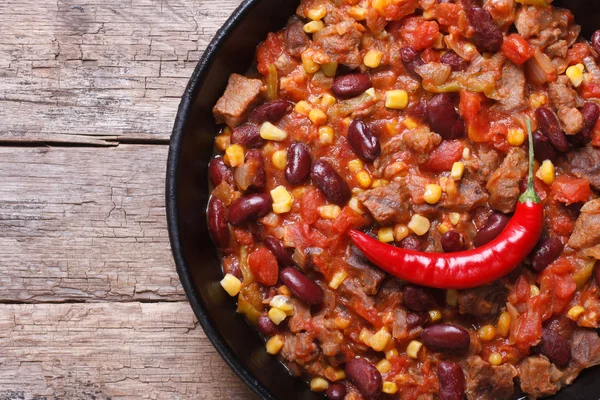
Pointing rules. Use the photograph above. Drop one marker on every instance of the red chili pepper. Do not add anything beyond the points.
(465, 269)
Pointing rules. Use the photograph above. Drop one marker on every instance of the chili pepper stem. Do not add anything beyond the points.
(530, 194)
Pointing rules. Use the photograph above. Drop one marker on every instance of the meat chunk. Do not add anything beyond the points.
(368, 276)
(585, 353)
(470, 195)
(486, 382)
(240, 96)
(484, 161)
(421, 140)
(571, 120)
(300, 320)
(561, 94)
(340, 42)
(558, 49)
(539, 377)
(295, 39)
(503, 184)
(300, 347)
(483, 301)
(389, 203)
(511, 87)
(585, 163)
(586, 232)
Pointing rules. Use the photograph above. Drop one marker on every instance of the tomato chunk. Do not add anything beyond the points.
(577, 53)
(591, 89)
(444, 156)
(448, 14)
(571, 190)
(268, 52)
(419, 33)
(263, 265)
(516, 49)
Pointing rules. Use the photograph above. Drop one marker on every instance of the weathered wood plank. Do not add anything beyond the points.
(110, 350)
(101, 70)
(84, 224)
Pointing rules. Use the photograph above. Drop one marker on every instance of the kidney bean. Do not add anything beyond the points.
(219, 172)
(217, 222)
(266, 326)
(542, 148)
(562, 325)
(596, 41)
(453, 241)
(363, 142)
(494, 225)
(333, 186)
(336, 391)
(452, 381)
(281, 254)
(487, 36)
(591, 113)
(555, 347)
(298, 164)
(248, 136)
(418, 299)
(365, 377)
(545, 252)
(249, 207)
(411, 59)
(272, 111)
(416, 319)
(443, 118)
(411, 243)
(456, 62)
(446, 338)
(549, 125)
(302, 287)
(351, 85)
(255, 168)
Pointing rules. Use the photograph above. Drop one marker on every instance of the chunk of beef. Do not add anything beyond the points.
(240, 96)
(484, 161)
(511, 88)
(300, 320)
(340, 42)
(561, 94)
(503, 184)
(483, 301)
(470, 195)
(558, 49)
(486, 381)
(539, 377)
(327, 334)
(571, 120)
(526, 22)
(389, 203)
(585, 353)
(369, 277)
(421, 140)
(585, 163)
(300, 347)
(586, 232)
(295, 39)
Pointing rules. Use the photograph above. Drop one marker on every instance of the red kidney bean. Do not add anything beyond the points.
(255, 167)
(591, 113)
(416, 319)
(446, 338)
(555, 347)
(596, 41)
(453, 241)
(542, 148)
(219, 172)
(487, 36)
(411, 59)
(418, 299)
(363, 142)
(452, 381)
(298, 164)
(249, 207)
(333, 186)
(549, 125)
(443, 118)
(351, 85)
(266, 326)
(365, 377)
(545, 252)
(411, 243)
(302, 287)
(272, 111)
(217, 222)
(281, 254)
(494, 225)
(248, 136)
(456, 62)
(336, 391)
(562, 325)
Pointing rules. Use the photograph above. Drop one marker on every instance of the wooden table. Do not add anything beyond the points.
(90, 304)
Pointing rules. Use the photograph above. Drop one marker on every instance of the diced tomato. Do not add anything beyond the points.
(243, 237)
(395, 10)
(570, 190)
(474, 114)
(309, 205)
(521, 292)
(430, 55)
(443, 156)
(263, 265)
(529, 324)
(591, 89)
(268, 52)
(559, 219)
(516, 49)
(577, 53)
(448, 14)
(419, 33)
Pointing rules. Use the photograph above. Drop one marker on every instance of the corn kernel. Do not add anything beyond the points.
(313, 26)
(452, 297)
(466, 153)
(302, 107)
(458, 169)
(380, 340)
(235, 155)
(379, 182)
(326, 135)
(310, 67)
(334, 374)
(329, 211)
(282, 200)
(317, 12)
(536, 100)
(400, 232)
(373, 58)
(454, 218)
(450, 187)
(364, 179)
(327, 100)
(575, 312)
(276, 315)
(433, 193)
(383, 366)
(389, 388)
(356, 206)
(575, 74)
(487, 333)
(391, 353)
(231, 284)
(299, 192)
(435, 315)
(223, 142)
(386, 235)
(275, 344)
(413, 349)
(268, 131)
(410, 123)
(284, 290)
(337, 279)
(329, 69)
(515, 137)
(495, 359)
(534, 291)
(419, 225)
(341, 322)
(365, 335)
(357, 13)
(355, 165)
(318, 385)
(279, 159)
(396, 99)
(546, 172)
(443, 228)
(284, 303)
(380, 5)
(317, 116)
(504, 321)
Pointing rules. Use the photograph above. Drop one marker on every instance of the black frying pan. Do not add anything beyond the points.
(232, 50)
